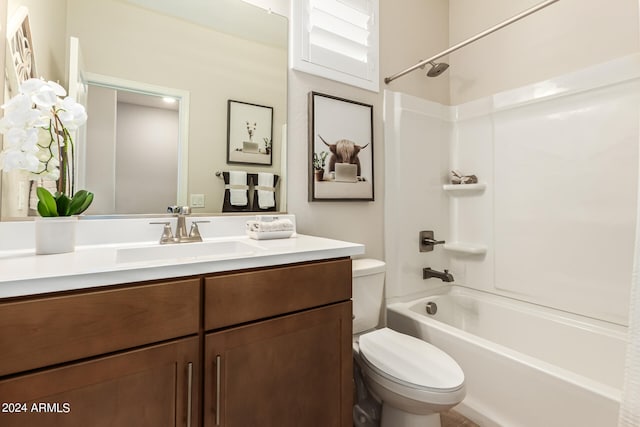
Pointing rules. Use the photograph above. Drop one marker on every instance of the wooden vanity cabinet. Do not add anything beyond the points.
(275, 343)
(282, 354)
(128, 356)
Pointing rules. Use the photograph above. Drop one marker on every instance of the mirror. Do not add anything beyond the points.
(213, 51)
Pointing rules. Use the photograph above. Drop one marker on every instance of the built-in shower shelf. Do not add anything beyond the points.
(461, 189)
(466, 248)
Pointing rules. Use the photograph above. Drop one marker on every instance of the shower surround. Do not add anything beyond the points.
(552, 221)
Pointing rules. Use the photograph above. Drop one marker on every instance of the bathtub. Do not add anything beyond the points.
(525, 365)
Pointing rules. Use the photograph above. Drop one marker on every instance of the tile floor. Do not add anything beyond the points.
(454, 419)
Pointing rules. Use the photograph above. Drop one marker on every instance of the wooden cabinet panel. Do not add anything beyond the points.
(294, 370)
(231, 299)
(44, 331)
(146, 387)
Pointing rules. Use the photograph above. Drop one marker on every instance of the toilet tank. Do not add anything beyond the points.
(367, 293)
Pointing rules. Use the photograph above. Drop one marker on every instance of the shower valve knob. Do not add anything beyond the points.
(427, 241)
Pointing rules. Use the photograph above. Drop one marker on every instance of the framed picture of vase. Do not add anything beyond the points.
(340, 149)
(249, 133)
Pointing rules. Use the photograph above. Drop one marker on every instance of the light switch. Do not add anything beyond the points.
(197, 201)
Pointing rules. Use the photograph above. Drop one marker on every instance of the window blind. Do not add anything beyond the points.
(338, 39)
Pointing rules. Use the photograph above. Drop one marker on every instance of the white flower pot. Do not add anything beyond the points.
(55, 235)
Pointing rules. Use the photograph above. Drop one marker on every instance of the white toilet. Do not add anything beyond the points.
(413, 380)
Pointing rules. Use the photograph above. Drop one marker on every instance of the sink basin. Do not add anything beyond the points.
(208, 250)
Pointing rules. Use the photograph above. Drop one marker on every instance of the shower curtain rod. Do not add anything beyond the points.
(486, 32)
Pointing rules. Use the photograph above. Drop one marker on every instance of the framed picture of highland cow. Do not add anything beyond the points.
(249, 133)
(340, 149)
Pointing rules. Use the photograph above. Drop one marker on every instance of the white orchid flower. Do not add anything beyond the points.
(45, 97)
(31, 86)
(73, 115)
(16, 159)
(21, 101)
(25, 139)
(35, 124)
(20, 118)
(57, 89)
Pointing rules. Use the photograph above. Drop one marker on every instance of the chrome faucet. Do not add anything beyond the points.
(181, 235)
(181, 213)
(445, 276)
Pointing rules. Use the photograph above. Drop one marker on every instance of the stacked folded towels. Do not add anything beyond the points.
(283, 224)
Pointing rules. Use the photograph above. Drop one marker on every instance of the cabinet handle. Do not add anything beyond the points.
(189, 391)
(218, 390)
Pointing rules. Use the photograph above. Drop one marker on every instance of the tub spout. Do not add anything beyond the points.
(445, 276)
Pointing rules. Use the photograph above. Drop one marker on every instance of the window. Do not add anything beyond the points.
(337, 39)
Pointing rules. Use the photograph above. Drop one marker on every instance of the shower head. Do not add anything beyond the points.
(437, 69)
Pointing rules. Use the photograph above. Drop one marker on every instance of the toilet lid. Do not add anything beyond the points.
(410, 360)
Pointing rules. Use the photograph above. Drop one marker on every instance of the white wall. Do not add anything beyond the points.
(417, 135)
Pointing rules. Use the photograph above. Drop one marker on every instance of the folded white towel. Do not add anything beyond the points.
(238, 188)
(284, 224)
(266, 192)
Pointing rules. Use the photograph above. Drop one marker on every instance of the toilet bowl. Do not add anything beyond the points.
(412, 379)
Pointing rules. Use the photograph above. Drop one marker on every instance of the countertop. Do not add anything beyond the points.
(23, 273)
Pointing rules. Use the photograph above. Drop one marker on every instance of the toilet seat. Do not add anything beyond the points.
(410, 362)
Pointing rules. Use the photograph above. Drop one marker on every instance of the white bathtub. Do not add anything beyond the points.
(524, 365)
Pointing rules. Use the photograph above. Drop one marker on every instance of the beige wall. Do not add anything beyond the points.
(3, 42)
(564, 37)
(409, 31)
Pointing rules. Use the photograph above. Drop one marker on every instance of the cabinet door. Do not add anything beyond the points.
(293, 370)
(154, 386)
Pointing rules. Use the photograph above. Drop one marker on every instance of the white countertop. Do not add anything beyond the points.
(24, 273)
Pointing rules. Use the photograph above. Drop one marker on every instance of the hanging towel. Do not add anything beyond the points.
(238, 188)
(266, 192)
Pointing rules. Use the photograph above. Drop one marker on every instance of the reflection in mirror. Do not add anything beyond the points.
(211, 50)
(135, 136)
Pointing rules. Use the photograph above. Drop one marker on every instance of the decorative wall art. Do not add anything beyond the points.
(21, 60)
(341, 149)
(249, 133)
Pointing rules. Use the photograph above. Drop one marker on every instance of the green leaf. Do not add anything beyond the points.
(63, 202)
(80, 202)
(46, 203)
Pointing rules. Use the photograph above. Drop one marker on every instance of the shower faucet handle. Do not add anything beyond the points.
(427, 241)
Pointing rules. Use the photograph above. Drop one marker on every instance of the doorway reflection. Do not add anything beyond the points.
(132, 151)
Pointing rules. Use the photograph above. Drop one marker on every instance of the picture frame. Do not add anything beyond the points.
(249, 133)
(21, 58)
(340, 149)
